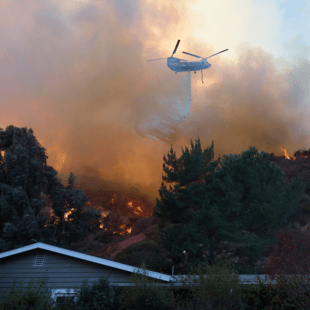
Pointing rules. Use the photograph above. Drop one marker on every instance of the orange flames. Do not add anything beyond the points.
(298, 154)
(125, 230)
(287, 156)
(119, 214)
(66, 215)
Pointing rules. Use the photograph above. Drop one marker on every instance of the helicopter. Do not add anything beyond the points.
(180, 65)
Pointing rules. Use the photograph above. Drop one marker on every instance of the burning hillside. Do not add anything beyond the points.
(120, 211)
(296, 166)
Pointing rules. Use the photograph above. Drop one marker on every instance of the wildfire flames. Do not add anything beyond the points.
(67, 214)
(287, 156)
(118, 213)
(302, 154)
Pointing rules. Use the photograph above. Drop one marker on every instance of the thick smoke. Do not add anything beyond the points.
(160, 121)
(251, 103)
(78, 76)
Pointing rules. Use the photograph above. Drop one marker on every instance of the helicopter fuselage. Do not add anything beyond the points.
(175, 64)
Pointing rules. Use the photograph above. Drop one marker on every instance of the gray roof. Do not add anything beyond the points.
(243, 279)
(89, 258)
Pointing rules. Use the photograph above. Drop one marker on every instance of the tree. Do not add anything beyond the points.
(289, 264)
(27, 183)
(21, 179)
(178, 205)
(232, 199)
(252, 192)
(70, 221)
(32, 295)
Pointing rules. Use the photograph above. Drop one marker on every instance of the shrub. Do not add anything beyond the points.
(214, 287)
(33, 296)
(268, 297)
(289, 265)
(96, 297)
(145, 294)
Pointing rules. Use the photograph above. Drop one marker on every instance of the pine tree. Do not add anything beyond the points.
(179, 205)
(234, 199)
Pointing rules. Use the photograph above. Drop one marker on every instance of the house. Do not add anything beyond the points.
(64, 270)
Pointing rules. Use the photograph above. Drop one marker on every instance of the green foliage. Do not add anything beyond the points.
(158, 263)
(33, 296)
(253, 192)
(189, 173)
(27, 186)
(179, 206)
(103, 236)
(236, 199)
(70, 221)
(213, 287)
(96, 297)
(244, 269)
(267, 297)
(141, 251)
(145, 294)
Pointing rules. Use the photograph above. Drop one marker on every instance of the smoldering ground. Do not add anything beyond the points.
(78, 76)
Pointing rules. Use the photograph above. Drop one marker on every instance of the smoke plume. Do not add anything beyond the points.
(76, 73)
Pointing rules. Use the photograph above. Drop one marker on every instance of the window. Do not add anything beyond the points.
(59, 295)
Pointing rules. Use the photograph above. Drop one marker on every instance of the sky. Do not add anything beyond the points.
(75, 72)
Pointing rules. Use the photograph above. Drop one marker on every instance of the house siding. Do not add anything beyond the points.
(60, 271)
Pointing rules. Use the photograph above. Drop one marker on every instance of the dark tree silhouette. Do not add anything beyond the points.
(234, 199)
(27, 186)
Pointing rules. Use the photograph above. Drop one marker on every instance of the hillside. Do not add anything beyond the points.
(130, 236)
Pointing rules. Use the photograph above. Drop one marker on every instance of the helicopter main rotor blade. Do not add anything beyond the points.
(217, 53)
(176, 47)
(192, 55)
(157, 59)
